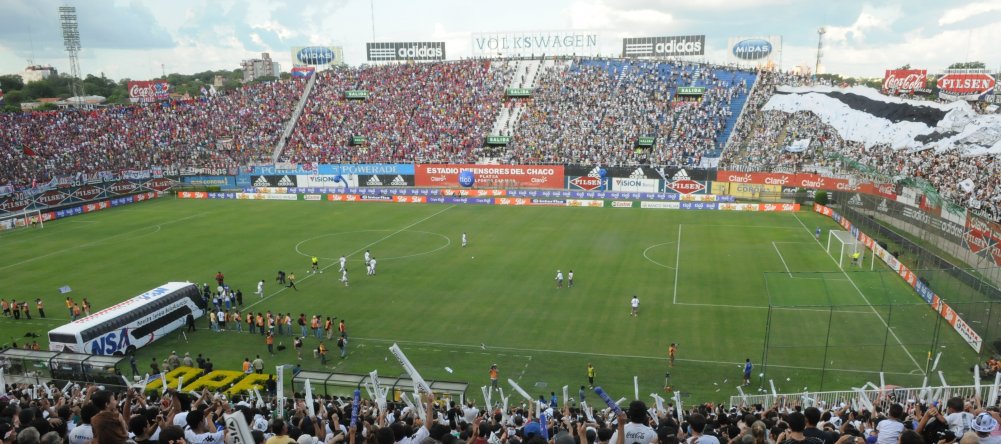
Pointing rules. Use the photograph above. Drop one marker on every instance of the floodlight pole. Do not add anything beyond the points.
(71, 40)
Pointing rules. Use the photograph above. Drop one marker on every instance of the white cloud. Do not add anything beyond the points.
(598, 15)
(870, 19)
(956, 15)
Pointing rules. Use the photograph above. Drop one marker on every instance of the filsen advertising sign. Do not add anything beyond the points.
(673, 46)
(403, 51)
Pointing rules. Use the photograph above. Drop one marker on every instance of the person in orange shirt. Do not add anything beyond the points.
(40, 307)
(246, 365)
(250, 323)
(323, 354)
(260, 323)
(270, 340)
(315, 325)
(76, 311)
(6, 307)
(494, 374)
(328, 326)
(343, 329)
(671, 351)
(69, 306)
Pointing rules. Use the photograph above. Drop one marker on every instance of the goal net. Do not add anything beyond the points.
(845, 248)
(23, 219)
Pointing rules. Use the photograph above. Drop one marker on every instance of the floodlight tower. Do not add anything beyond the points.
(820, 49)
(71, 40)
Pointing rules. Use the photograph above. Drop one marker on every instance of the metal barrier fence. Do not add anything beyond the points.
(878, 397)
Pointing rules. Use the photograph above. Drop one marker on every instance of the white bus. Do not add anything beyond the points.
(130, 324)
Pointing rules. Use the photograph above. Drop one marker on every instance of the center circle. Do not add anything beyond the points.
(394, 245)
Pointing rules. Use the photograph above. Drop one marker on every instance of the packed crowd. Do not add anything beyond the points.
(226, 130)
(74, 414)
(595, 111)
(428, 113)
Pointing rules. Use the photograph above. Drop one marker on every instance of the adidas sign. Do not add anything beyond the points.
(398, 181)
(680, 175)
(595, 172)
(286, 182)
(856, 201)
(373, 181)
(261, 182)
(637, 174)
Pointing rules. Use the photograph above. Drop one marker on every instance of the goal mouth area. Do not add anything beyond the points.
(21, 220)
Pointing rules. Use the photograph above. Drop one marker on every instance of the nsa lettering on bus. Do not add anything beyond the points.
(752, 49)
(111, 343)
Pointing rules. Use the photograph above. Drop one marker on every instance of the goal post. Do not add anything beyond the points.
(847, 249)
(21, 219)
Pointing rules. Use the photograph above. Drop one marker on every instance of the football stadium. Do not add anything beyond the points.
(570, 236)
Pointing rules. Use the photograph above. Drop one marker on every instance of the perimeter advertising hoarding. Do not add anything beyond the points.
(317, 56)
(673, 46)
(503, 176)
(525, 43)
(403, 51)
(757, 51)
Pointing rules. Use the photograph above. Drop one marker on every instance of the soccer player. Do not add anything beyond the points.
(464, 239)
(671, 352)
(281, 277)
(747, 371)
(570, 279)
(260, 289)
(855, 258)
(816, 233)
(371, 267)
(368, 256)
(344, 276)
(316, 264)
(291, 281)
(559, 279)
(368, 268)
(343, 261)
(635, 304)
(590, 375)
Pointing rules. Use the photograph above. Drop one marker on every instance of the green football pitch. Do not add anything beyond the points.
(704, 279)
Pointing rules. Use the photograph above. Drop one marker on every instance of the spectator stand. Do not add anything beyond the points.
(344, 384)
(880, 397)
(38, 366)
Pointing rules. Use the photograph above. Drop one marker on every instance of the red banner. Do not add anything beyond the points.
(904, 81)
(499, 176)
(801, 180)
(148, 90)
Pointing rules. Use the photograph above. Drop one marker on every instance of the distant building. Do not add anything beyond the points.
(218, 81)
(262, 67)
(35, 73)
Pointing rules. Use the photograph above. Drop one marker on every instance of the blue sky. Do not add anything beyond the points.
(132, 38)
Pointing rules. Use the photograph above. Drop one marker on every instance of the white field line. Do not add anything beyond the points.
(893, 333)
(677, 265)
(352, 254)
(650, 259)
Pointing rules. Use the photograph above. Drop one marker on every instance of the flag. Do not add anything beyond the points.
(204, 91)
(65, 289)
(212, 91)
(29, 152)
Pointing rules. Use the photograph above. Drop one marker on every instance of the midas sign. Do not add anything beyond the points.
(192, 380)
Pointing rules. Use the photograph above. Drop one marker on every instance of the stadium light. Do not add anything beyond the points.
(71, 40)
(820, 49)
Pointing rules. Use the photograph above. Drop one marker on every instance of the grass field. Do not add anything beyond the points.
(704, 279)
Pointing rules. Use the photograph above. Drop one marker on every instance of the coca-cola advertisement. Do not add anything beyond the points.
(145, 91)
(904, 81)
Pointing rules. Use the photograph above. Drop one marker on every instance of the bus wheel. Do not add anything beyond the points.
(130, 350)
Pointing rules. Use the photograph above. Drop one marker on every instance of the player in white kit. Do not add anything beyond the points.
(371, 267)
(559, 279)
(368, 257)
(463, 239)
(344, 276)
(260, 288)
(635, 304)
(344, 260)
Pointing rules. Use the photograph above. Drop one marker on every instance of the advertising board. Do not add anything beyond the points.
(317, 56)
(403, 51)
(500, 176)
(672, 46)
(635, 185)
(146, 91)
(904, 81)
(755, 50)
(526, 43)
